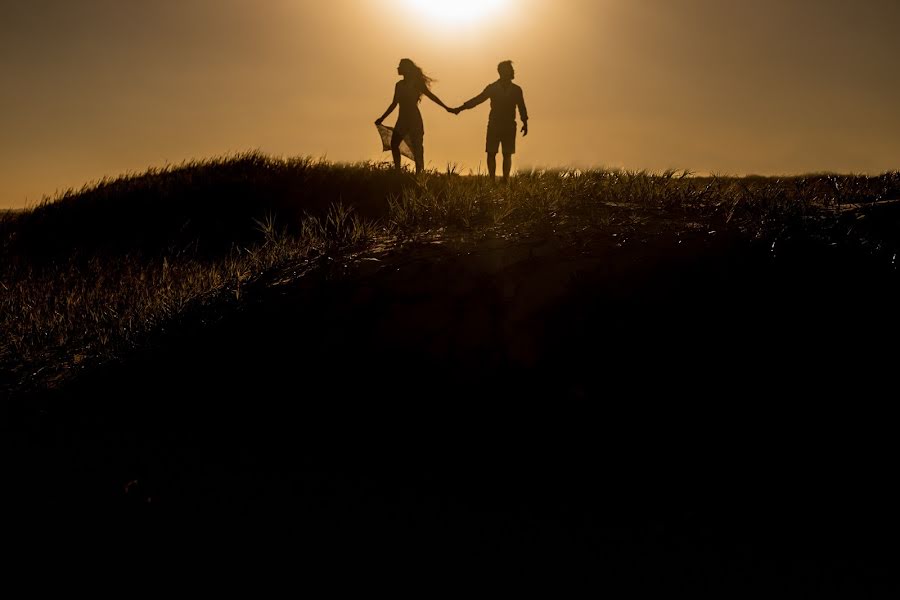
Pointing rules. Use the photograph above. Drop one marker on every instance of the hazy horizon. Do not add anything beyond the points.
(99, 88)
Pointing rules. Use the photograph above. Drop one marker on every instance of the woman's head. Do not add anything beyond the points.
(413, 72)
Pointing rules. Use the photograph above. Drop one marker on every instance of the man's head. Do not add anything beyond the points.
(506, 70)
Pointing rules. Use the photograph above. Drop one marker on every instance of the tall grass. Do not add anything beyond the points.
(91, 273)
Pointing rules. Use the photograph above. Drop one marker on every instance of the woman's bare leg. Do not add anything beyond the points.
(396, 139)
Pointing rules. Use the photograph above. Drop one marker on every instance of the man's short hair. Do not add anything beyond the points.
(505, 65)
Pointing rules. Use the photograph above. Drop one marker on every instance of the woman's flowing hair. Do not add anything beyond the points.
(412, 71)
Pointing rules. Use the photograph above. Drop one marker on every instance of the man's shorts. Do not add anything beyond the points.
(501, 133)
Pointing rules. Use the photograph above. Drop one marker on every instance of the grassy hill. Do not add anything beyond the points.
(90, 273)
(660, 378)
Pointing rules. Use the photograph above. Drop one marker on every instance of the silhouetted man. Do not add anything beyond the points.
(505, 96)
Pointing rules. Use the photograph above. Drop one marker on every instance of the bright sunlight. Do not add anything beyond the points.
(457, 12)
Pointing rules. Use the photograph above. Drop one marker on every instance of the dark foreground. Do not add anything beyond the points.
(653, 414)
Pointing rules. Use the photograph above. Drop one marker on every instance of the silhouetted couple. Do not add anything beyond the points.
(505, 97)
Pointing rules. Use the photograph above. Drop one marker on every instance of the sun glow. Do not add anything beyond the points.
(458, 11)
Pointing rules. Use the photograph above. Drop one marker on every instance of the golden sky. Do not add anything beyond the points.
(90, 88)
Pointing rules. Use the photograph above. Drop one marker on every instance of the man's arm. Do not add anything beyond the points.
(477, 99)
(523, 112)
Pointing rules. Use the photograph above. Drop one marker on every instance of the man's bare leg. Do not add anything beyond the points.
(507, 166)
(492, 165)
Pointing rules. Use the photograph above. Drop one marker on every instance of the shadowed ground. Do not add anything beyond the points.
(652, 410)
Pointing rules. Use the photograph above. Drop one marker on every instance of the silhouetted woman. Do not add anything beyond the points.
(407, 93)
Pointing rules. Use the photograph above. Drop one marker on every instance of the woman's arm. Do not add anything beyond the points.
(437, 100)
(390, 108)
